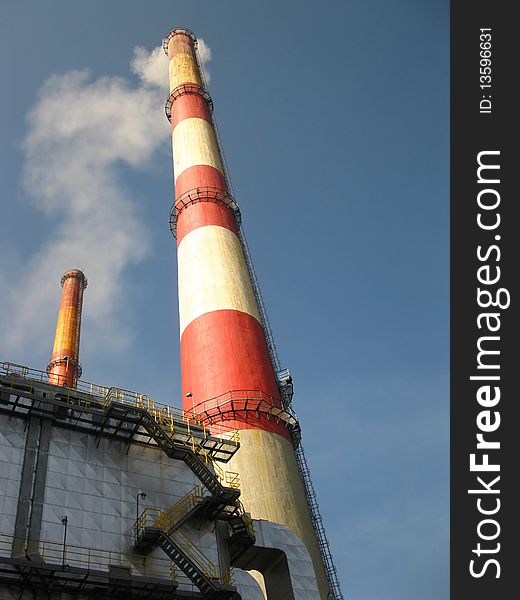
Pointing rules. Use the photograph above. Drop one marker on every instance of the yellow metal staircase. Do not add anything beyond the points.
(162, 528)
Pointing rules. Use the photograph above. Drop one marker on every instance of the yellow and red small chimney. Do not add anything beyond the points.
(64, 367)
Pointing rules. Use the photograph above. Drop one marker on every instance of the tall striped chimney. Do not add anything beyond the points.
(227, 373)
(64, 367)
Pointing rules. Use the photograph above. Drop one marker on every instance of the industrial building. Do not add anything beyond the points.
(105, 491)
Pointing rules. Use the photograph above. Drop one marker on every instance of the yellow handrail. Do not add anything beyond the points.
(228, 478)
(221, 573)
(168, 519)
(90, 557)
(84, 394)
(154, 517)
(22, 372)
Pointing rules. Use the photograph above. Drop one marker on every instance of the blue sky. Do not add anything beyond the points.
(334, 119)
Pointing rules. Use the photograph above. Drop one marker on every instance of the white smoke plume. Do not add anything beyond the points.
(151, 67)
(205, 55)
(81, 131)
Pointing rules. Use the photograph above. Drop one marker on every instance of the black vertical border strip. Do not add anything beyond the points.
(471, 133)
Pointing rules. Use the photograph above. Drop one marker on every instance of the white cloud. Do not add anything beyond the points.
(81, 130)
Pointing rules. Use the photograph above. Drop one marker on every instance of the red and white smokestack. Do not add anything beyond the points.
(64, 367)
(223, 345)
(227, 374)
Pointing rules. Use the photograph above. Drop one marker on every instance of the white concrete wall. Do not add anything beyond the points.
(12, 447)
(96, 488)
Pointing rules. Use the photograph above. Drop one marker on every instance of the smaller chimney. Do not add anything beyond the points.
(64, 367)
